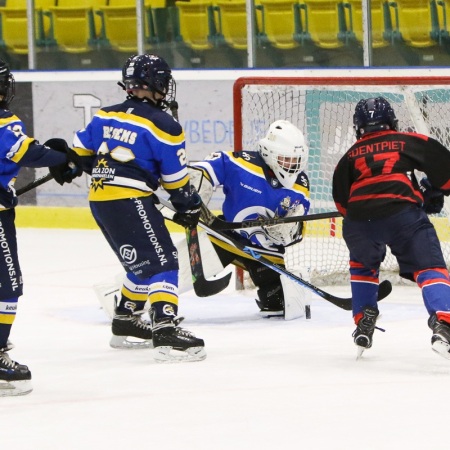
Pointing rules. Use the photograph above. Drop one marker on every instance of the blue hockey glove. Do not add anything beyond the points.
(67, 171)
(433, 199)
(190, 217)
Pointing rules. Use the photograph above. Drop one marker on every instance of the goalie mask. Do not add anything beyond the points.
(7, 85)
(284, 150)
(151, 73)
(373, 114)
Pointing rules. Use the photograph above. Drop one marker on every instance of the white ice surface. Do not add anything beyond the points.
(266, 384)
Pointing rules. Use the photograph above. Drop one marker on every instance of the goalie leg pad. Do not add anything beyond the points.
(297, 300)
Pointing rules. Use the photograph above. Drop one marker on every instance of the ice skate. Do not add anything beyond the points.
(270, 309)
(440, 341)
(15, 378)
(131, 332)
(175, 344)
(363, 334)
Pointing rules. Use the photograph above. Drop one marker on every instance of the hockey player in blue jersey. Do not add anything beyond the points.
(269, 182)
(130, 150)
(18, 150)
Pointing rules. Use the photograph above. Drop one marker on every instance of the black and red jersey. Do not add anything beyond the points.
(375, 178)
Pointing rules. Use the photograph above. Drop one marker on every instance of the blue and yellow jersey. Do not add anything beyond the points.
(16, 150)
(252, 190)
(131, 149)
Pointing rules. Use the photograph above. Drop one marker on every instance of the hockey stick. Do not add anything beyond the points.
(384, 289)
(202, 286)
(219, 224)
(34, 184)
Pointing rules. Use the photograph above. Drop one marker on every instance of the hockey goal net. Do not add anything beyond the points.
(323, 109)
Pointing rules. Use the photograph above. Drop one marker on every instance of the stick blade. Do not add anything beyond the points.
(384, 289)
(206, 288)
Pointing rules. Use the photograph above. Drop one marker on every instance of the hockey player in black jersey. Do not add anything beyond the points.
(383, 204)
(18, 150)
(130, 150)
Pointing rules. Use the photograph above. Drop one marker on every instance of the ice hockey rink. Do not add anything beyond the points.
(266, 383)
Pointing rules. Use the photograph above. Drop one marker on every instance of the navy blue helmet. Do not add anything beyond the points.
(373, 114)
(149, 72)
(7, 85)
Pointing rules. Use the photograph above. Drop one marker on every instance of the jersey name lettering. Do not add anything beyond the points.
(383, 146)
(119, 134)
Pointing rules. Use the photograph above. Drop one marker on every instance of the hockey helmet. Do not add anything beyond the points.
(284, 150)
(7, 85)
(152, 73)
(373, 114)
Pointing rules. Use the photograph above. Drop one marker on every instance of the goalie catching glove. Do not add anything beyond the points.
(286, 233)
(433, 199)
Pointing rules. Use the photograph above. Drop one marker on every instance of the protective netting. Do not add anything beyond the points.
(324, 112)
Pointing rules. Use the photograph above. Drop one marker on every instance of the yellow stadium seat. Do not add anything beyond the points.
(233, 23)
(197, 24)
(120, 23)
(14, 25)
(74, 27)
(354, 21)
(279, 22)
(326, 23)
(417, 21)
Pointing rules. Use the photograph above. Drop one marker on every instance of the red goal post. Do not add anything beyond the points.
(322, 107)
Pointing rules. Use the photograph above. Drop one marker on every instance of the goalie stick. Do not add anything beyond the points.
(219, 224)
(384, 289)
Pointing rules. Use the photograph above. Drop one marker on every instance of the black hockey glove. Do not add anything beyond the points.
(67, 171)
(433, 199)
(190, 217)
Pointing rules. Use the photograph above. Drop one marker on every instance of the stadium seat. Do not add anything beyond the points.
(197, 24)
(75, 28)
(418, 22)
(233, 23)
(120, 25)
(280, 22)
(14, 25)
(442, 9)
(326, 23)
(354, 22)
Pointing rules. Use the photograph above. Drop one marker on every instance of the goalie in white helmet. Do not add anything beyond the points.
(266, 183)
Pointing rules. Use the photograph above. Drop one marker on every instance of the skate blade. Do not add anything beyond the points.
(124, 342)
(442, 348)
(272, 314)
(359, 352)
(169, 355)
(15, 388)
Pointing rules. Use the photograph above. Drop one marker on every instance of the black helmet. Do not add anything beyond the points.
(7, 85)
(149, 72)
(373, 114)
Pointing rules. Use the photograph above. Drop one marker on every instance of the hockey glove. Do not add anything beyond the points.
(68, 170)
(190, 217)
(433, 199)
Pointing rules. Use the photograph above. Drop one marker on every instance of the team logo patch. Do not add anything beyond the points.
(128, 253)
(168, 310)
(130, 305)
